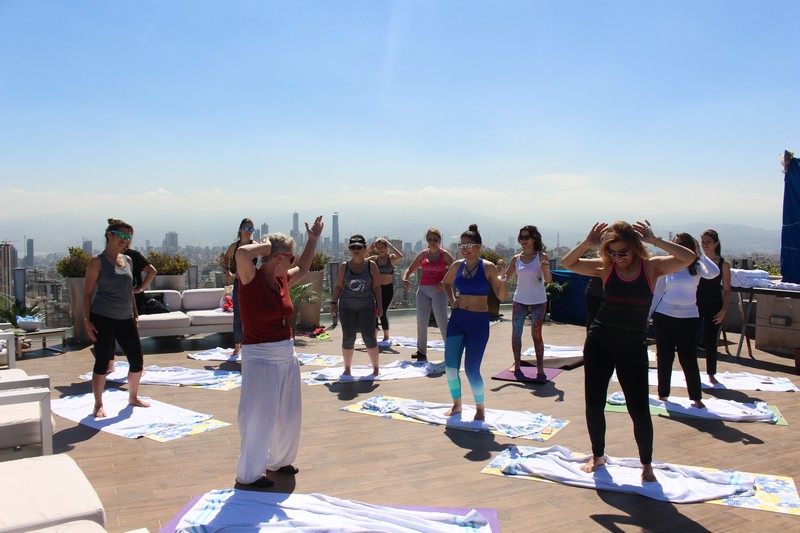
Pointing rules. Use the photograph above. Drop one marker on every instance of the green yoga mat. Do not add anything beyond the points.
(658, 411)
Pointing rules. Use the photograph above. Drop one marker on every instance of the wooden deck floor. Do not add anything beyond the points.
(143, 483)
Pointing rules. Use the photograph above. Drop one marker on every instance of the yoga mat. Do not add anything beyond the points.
(527, 374)
(223, 510)
(658, 411)
(772, 493)
(161, 421)
(390, 371)
(489, 513)
(513, 424)
(728, 380)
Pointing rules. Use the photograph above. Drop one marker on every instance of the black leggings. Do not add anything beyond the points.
(681, 333)
(387, 293)
(601, 357)
(710, 336)
(109, 332)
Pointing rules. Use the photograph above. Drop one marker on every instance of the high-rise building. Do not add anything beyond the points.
(295, 222)
(171, 243)
(335, 234)
(28, 263)
(87, 247)
(264, 230)
(8, 262)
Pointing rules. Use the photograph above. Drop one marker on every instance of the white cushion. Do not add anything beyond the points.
(202, 318)
(202, 299)
(172, 299)
(174, 319)
(79, 526)
(12, 374)
(46, 491)
(19, 425)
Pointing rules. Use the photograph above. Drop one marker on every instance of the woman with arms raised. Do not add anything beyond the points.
(386, 262)
(617, 336)
(243, 236)
(270, 402)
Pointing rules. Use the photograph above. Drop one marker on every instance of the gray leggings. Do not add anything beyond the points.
(429, 298)
(358, 321)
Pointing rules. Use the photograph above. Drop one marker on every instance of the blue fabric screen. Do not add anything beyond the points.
(571, 307)
(790, 233)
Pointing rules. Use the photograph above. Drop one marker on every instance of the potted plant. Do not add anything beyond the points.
(303, 296)
(493, 300)
(10, 310)
(311, 309)
(554, 291)
(171, 270)
(73, 268)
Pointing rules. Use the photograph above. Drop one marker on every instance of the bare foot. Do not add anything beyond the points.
(480, 413)
(138, 402)
(453, 410)
(663, 398)
(99, 412)
(712, 379)
(648, 474)
(593, 463)
(346, 372)
(699, 404)
(376, 371)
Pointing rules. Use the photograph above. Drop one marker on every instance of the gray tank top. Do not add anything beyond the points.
(113, 293)
(357, 292)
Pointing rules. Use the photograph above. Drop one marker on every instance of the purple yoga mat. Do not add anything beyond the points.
(489, 513)
(527, 374)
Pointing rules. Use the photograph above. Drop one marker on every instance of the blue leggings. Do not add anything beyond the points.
(466, 330)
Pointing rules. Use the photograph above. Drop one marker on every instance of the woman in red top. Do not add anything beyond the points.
(270, 403)
(434, 262)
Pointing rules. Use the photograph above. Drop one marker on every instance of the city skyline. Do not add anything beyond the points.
(187, 117)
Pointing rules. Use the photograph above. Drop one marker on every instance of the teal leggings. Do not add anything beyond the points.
(467, 331)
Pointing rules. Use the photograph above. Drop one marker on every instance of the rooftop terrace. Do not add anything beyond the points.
(143, 483)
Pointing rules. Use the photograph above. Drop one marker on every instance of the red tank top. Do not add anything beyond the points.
(265, 312)
(433, 272)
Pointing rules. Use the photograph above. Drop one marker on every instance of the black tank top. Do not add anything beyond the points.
(709, 291)
(623, 314)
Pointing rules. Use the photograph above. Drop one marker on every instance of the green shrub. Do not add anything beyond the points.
(168, 264)
(74, 265)
(319, 261)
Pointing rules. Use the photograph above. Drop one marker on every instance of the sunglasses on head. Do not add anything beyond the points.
(525, 237)
(466, 245)
(617, 253)
(356, 246)
(251, 229)
(121, 234)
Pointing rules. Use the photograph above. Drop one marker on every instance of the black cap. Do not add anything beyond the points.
(357, 239)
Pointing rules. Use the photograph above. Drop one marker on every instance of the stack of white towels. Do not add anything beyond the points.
(750, 278)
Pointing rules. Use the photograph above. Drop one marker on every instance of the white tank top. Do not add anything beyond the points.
(530, 283)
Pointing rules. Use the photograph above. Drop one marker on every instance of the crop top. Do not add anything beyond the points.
(387, 268)
(433, 272)
(476, 284)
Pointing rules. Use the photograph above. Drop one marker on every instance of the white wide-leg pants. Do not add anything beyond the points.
(270, 409)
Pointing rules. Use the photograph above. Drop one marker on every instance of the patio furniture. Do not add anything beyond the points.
(26, 423)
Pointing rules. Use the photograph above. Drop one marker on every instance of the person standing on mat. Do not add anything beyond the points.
(357, 302)
(386, 263)
(677, 321)
(532, 268)
(434, 262)
(468, 329)
(111, 315)
(618, 335)
(270, 403)
(243, 236)
(713, 296)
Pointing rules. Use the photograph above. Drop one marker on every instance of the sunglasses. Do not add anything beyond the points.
(525, 237)
(251, 229)
(617, 253)
(467, 245)
(121, 234)
(356, 247)
(289, 256)
(432, 239)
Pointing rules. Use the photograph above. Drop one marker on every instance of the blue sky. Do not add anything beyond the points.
(184, 114)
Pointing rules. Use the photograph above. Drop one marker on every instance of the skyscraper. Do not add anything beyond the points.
(264, 230)
(171, 243)
(28, 263)
(8, 262)
(87, 246)
(335, 233)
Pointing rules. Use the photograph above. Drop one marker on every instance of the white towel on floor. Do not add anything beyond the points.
(175, 376)
(729, 380)
(674, 483)
(245, 511)
(716, 408)
(123, 419)
(509, 423)
(393, 370)
(215, 354)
